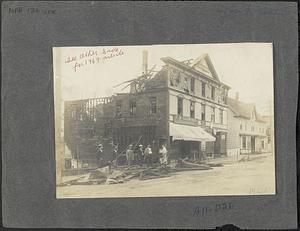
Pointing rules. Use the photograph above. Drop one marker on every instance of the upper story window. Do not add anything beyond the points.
(252, 128)
(212, 114)
(192, 109)
(186, 85)
(192, 85)
(153, 105)
(132, 107)
(221, 117)
(241, 126)
(212, 92)
(180, 106)
(118, 108)
(203, 112)
(203, 89)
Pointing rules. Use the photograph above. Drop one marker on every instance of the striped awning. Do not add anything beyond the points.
(189, 133)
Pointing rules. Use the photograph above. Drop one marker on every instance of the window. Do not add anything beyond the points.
(192, 109)
(262, 144)
(212, 114)
(180, 106)
(252, 128)
(212, 93)
(245, 127)
(244, 142)
(221, 116)
(203, 89)
(241, 126)
(153, 105)
(118, 108)
(132, 107)
(203, 112)
(192, 85)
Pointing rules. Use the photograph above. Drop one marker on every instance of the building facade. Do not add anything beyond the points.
(247, 133)
(183, 105)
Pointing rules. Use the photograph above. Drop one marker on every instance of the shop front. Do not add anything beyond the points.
(188, 141)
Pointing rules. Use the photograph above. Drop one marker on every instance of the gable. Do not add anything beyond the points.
(204, 65)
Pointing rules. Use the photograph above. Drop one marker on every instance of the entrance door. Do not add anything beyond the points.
(220, 143)
(252, 144)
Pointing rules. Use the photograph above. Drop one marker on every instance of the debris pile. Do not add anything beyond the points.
(116, 175)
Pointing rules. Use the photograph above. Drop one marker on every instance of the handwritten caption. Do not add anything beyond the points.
(200, 211)
(31, 10)
(260, 190)
(92, 56)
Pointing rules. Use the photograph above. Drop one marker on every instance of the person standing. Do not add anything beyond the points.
(163, 155)
(115, 152)
(140, 155)
(129, 155)
(99, 155)
(148, 155)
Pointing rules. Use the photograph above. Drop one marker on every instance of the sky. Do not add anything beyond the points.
(246, 67)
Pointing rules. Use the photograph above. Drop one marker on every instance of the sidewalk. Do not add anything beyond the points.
(236, 159)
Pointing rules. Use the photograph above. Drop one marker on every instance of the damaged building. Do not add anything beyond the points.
(183, 105)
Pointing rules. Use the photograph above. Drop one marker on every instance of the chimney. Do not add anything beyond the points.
(237, 96)
(145, 61)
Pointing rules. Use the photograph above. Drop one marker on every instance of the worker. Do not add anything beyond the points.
(115, 152)
(163, 155)
(130, 155)
(140, 155)
(99, 155)
(148, 155)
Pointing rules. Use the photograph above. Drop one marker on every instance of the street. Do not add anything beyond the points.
(255, 177)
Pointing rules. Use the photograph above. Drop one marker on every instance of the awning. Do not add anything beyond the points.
(189, 133)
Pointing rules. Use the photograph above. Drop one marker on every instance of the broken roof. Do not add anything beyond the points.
(201, 65)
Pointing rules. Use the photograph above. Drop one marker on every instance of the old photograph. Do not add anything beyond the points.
(164, 120)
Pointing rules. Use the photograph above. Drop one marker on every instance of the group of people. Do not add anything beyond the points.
(139, 156)
(145, 156)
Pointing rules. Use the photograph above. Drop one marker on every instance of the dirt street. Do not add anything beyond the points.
(253, 177)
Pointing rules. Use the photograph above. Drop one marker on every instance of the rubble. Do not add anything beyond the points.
(116, 175)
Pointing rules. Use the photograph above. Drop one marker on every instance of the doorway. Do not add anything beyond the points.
(252, 144)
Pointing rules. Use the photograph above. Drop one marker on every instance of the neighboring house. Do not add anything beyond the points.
(247, 132)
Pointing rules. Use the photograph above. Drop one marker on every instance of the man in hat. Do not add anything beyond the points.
(140, 155)
(130, 155)
(99, 155)
(148, 155)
